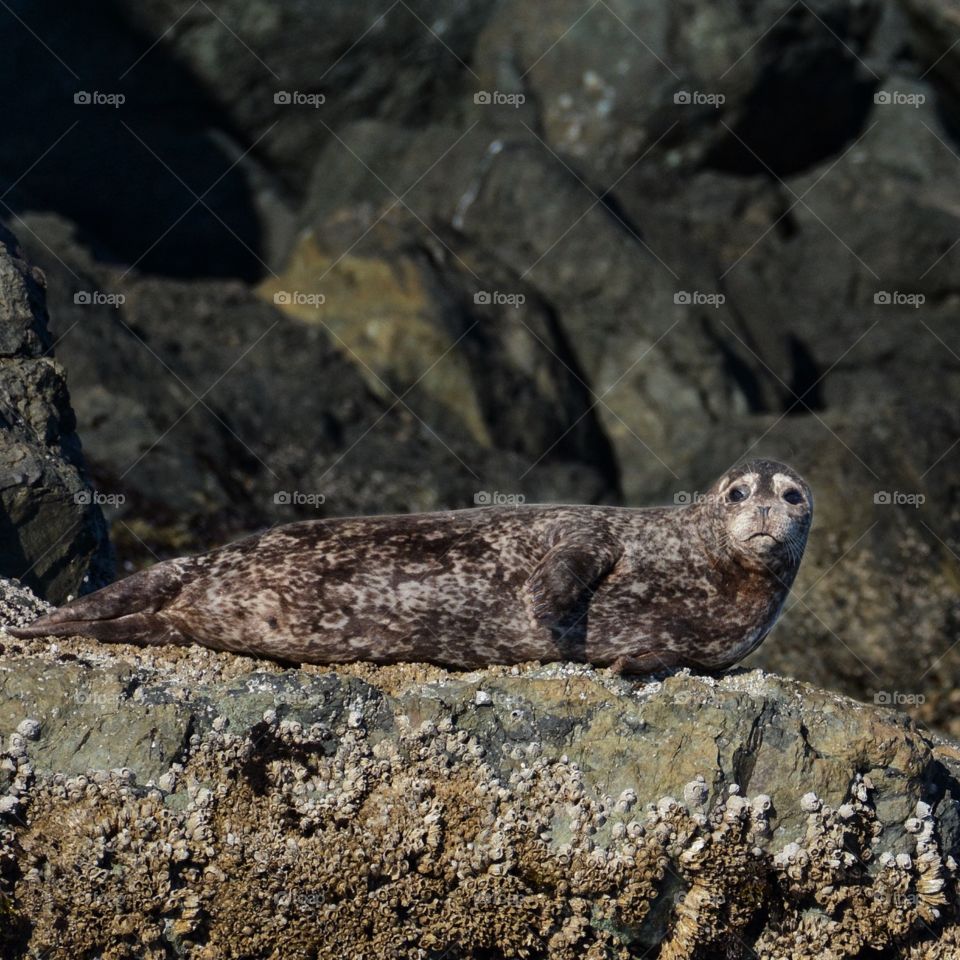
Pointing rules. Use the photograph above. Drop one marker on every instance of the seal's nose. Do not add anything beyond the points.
(764, 512)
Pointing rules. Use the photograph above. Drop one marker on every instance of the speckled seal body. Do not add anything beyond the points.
(638, 589)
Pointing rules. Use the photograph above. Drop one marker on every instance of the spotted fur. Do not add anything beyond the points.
(640, 589)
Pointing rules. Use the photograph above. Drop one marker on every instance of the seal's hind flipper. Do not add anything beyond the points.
(124, 612)
(140, 629)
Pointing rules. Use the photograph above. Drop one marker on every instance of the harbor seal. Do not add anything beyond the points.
(638, 589)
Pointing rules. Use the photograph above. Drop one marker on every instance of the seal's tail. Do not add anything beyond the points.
(124, 612)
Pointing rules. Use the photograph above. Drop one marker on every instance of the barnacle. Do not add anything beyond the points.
(328, 839)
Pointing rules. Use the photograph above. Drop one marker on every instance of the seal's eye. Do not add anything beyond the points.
(738, 493)
(793, 495)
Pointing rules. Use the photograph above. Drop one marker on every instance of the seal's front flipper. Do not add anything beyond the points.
(124, 612)
(572, 567)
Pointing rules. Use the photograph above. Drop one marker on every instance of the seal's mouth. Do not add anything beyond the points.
(765, 535)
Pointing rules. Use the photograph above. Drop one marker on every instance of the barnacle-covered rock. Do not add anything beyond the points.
(185, 803)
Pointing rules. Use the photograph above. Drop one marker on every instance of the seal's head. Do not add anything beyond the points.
(760, 513)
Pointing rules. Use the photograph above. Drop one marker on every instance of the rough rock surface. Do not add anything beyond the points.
(18, 605)
(185, 803)
(52, 533)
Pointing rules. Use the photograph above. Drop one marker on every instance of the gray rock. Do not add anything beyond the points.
(429, 800)
(931, 26)
(53, 534)
(375, 60)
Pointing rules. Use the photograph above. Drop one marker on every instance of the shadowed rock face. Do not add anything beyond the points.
(215, 413)
(52, 534)
(192, 804)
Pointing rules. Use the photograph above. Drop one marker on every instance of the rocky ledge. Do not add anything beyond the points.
(183, 803)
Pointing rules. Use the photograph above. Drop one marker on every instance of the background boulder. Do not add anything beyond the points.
(53, 535)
